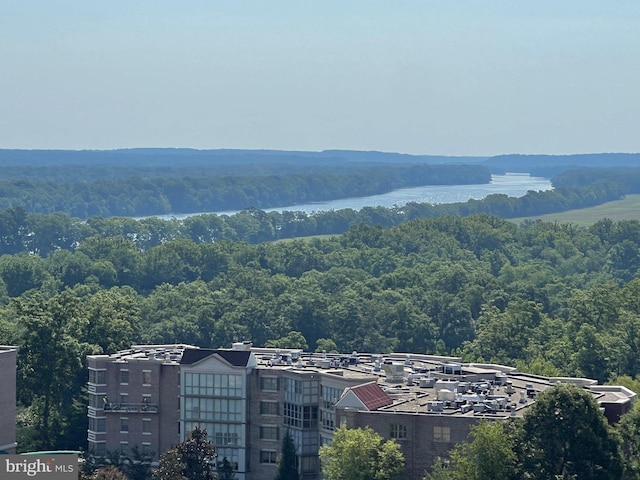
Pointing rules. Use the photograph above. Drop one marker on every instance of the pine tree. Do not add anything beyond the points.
(287, 462)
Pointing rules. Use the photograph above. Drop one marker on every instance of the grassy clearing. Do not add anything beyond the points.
(626, 209)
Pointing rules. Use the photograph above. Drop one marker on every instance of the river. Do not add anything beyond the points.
(511, 184)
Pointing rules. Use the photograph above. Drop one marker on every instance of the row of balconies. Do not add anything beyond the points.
(131, 407)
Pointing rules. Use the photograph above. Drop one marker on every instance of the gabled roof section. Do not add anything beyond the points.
(236, 358)
(371, 395)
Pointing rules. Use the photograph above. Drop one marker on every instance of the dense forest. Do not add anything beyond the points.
(551, 298)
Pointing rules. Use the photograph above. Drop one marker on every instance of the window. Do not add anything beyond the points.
(98, 425)
(269, 408)
(97, 401)
(441, 434)
(213, 385)
(268, 456)
(124, 425)
(269, 432)
(222, 409)
(124, 377)
(301, 391)
(309, 464)
(124, 398)
(124, 448)
(269, 384)
(327, 419)
(98, 377)
(99, 449)
(231, 454)
(225, 438)
(300, 416)
(146, 377)
(398, 432)
(146, 448)
(330, 396)
(146, 426)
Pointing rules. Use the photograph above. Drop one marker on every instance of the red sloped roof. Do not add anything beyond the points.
(372, 395)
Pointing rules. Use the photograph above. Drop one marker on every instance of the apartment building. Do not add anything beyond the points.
(8, 358)
(247, 398)
(134, 400)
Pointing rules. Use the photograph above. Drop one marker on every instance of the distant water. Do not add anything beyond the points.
(511, 184)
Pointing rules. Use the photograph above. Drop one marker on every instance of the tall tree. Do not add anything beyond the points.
(565, 435)
(287, 462)
(191, 459)
(629, 430)
(50, 367)
(361, 454)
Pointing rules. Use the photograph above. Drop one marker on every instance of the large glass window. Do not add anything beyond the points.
(231, 454)
(330, 396)
(213, 385)
(213, 409)
(300, 416)
(301, 391)
(306, 442)
(226, 434)
(309, 464)
(223, 436)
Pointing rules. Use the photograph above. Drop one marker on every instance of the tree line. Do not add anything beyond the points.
(208, 191)
(41, 234)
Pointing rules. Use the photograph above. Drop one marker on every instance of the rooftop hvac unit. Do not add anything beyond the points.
(447, 385)
(446, 395)
(427, 382)
(394, 372)
(435, 406)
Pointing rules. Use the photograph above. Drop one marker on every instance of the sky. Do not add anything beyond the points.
(422, 77)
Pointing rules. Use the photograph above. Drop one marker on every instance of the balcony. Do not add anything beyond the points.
(131, 407)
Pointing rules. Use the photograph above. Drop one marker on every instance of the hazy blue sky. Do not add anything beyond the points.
(434, 77)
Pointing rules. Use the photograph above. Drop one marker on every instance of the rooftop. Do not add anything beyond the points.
(402, 382)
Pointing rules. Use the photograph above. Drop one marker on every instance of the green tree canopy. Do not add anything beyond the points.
(191, 459)
(488, 455)
(566, 436)
(361, 454)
